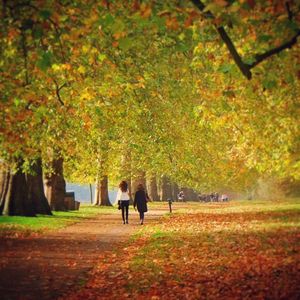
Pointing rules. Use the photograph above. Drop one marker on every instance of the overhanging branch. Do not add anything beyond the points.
(260, 57)
(228, 42)
(245, 68)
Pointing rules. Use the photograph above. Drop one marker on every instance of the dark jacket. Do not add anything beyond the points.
(140, 200)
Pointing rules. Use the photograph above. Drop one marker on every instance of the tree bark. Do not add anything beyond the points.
(175, 191)
(56, 186)
(97, 193)
(14, 194)
(4, 184)
(166, 189)
(104, 197)
(152, 189)
(91, 193)
(36, 192)
(101, 192)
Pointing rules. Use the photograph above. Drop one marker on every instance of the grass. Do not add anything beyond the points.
(236, 241)
(23, 226)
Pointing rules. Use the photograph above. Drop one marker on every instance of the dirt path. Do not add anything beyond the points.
(45, 267)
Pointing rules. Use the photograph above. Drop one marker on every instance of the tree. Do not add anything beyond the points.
(36, 189)
(166, 189)
(56, 185)
(152, 188)
(101, 192)
(152, 83)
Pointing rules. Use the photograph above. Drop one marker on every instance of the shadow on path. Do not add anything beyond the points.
(47, 266)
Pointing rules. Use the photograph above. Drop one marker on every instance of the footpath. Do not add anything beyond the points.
(49, 265)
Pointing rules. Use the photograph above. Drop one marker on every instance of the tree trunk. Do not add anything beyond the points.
(104, 198)
(14, 194)
(175, 191)
(91, 193)
(4, 184)
(97, 193)
(36, 192)
(166, 189)
(101, 192)
(56, 186)
(152, 189)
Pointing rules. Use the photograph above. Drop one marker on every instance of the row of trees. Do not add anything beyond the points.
(112, 89)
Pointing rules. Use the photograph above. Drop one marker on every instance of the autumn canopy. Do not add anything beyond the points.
(204, 94)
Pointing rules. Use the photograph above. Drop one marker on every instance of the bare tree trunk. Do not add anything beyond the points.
(166, 189)
(56, 186)
(91, 193)
(4, 185)
(101, 192)
(104, 198)
(175, 191)
(97, 193)
(152, 189)
(36, 190)
(14, 194)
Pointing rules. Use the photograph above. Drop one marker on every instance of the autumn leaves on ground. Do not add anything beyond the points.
(209, 251)
(236, 250)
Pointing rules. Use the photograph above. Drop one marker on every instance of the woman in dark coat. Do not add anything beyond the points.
(140, 201)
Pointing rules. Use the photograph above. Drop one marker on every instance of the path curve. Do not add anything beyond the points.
(47, 266)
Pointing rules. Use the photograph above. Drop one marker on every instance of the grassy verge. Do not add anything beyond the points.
(24, 226)
(235, 250)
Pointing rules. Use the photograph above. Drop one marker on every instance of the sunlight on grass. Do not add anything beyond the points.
(235, 241)
(16, 225)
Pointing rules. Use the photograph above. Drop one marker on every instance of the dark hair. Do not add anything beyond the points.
(140, 187)
(123, 186)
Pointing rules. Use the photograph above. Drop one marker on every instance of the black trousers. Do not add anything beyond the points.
(142, 214)
(125, 208)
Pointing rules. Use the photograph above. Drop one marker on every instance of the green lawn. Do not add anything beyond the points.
(16, 226)
(233, 250)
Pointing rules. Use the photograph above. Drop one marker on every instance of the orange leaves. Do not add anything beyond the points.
(172, 23)
(115, 44)
(119, 35)
(193, 15)
(145, 11)
(213, 254)
(13, 33)
(221, 3)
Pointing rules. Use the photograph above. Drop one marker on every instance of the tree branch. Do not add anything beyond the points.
(228, 42)
(289, 12)
(57, 91)
(263, 56)
(245, 68)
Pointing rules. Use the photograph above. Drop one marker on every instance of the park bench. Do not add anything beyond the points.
(70, 202)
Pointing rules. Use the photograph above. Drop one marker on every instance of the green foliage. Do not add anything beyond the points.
(131, 87)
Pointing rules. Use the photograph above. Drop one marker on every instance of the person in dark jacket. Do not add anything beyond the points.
(140, 201)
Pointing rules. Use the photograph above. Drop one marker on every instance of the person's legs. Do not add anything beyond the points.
(142, 217)
(127, 208)
(123, 211)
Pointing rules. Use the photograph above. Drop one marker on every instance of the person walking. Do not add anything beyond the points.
(123, 198)
(140, 201)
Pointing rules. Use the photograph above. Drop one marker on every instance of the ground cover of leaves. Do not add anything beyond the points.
(209, 251)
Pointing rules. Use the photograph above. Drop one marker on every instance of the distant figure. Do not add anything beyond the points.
(224, 198)
(170, 204)
(140, 201)
(181, 196)
(123, 200)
